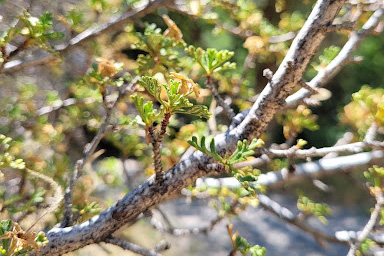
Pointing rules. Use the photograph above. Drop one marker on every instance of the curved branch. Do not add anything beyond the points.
(149, 194)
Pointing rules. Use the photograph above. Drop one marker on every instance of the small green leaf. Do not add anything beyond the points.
(211, 60)
(146, 111)
(152, 86)
(212, 153)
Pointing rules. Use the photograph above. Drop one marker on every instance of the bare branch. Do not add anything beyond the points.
(87, 35)
(315, 169)
(227, 109)
(368, 227)
(131, 247)
(89, 150)
(325, 75)
(287, 216)
(170, 229)
(312, 152)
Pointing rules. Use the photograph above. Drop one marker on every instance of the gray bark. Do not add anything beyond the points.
(290, 72)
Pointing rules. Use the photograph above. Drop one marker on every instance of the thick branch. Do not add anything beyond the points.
(198, 165)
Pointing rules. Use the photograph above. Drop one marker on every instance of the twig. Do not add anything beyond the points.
(131, 247)
(87, 35)
(313, 169)
(287, 216)
(248, 63)
(235, 31)
(65, 103)
(58, 194)
(170, 229)
(313, 152)
(156, 139)
(227, 109)
(368, 227)
(89, 150)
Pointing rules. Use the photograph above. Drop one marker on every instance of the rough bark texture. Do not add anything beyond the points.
(290, 72)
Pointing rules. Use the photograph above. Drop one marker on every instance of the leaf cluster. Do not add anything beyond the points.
(294, 121)
(211, 60)
(17, 242)
(7, 159)
(241, 244)
(241, 153)
(366, 108)
(244, 175)
(375, 177)
(174, 102)
(308, 206)
(161, 49)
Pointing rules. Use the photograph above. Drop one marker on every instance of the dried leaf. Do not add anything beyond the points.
(172, 30)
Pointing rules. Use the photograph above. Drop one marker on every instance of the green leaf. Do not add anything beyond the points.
(196, 110)
(243, 151)
(152, 86)
(212, 153)
(146, 111)
(211, 59)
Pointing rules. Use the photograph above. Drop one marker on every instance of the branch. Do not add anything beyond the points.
(87, 35)
(89, 150)
(227, 109)
(368, 227)
(313, 152)
(170, 229)
(287, 216)
(149, 194)
(325, 75)
(131, 247)
(313, 169)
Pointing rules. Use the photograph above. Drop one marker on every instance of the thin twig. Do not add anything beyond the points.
(227, 109)
(89, 150)
(131, 247)
(87, 35)
(249, 63)
(368, 227)
(286, 215)
(170, 229)
(235, 31)
(313, 152)
(156, 139)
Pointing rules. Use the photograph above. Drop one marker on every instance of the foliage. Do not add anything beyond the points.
(308, 206)
(16, 241)
(295, 120)
(161, 49)
(242, 245)
(175, 102)
(211, 60)
(366, 108)
(243, 150)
